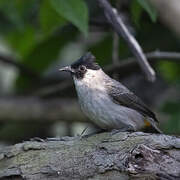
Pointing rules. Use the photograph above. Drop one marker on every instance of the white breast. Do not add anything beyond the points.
(98, 106)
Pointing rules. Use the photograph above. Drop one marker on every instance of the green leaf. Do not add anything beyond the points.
(136, 12)
(22, 41)
(149, 9)
(75, 11)
(49, 19)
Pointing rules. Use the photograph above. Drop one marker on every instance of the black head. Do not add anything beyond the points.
(80, 67)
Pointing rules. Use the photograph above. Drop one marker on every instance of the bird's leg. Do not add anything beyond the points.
(37, 139)
(127, 128)
(65, 138)
(93, 133)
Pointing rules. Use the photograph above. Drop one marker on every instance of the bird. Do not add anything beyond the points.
(107, 102)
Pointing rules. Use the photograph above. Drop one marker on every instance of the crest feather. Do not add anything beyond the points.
(87, 60)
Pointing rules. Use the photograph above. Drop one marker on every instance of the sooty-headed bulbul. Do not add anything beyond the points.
(105, 101)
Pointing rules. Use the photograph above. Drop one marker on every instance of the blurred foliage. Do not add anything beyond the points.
(37, 32)
(172, 109)
(137, 8)
(74, 11)
(170, 71)
(136, 12)
(44, 54)
(149, 8)
(49, 19)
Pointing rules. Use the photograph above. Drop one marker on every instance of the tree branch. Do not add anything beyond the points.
(118, 25)
(153, 56)
(166, 55)
(137, 156)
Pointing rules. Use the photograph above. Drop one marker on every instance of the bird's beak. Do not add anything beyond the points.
(67, 68)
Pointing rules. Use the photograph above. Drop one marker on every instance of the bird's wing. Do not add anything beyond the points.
(130, 100)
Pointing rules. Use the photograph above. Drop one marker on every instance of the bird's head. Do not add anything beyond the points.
(80, 67)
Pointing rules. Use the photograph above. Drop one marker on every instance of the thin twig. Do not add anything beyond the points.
(115, 50)
(118, 25)
(152, 57)
(160, 54)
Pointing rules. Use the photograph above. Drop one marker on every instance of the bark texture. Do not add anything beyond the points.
(103, 156)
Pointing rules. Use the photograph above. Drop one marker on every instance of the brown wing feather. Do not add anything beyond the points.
(130, 100)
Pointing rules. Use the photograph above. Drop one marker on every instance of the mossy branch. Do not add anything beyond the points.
(103, 156)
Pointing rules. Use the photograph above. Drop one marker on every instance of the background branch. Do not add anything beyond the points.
(115, 50)
(37, 109)
(118, 25)
(153, 57)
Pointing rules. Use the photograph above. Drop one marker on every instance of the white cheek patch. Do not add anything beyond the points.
(92, 80)
(93, 76)
(90, 74)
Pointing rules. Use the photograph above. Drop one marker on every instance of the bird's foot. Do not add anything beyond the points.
(65, 138)
(37, 139)
(124, 129)
(94, 133)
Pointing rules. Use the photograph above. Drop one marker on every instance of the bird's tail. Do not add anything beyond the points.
(152, 128)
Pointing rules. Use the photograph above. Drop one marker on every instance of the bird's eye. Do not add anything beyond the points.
(82, 68)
